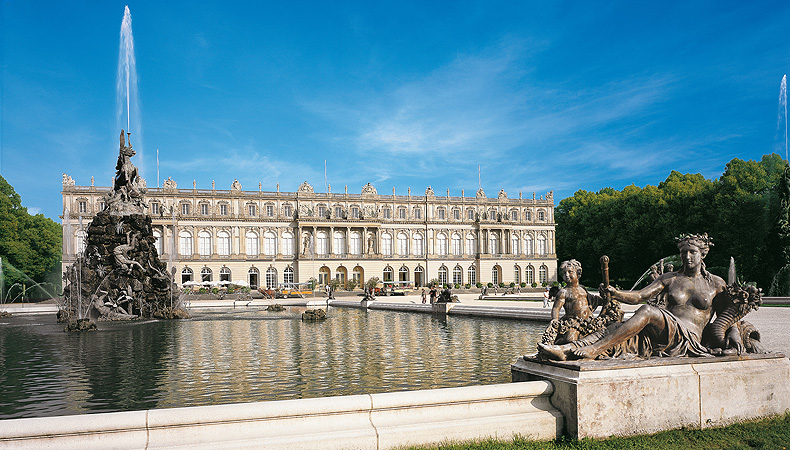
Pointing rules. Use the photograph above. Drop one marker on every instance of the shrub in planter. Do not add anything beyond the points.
(467, 286)
(490, 285)
(523, 284)
(534, 285)
(457, 286)
(501, 285)
(479, 284)
(512, 284)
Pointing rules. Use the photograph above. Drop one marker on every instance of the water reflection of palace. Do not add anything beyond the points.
(268, 238)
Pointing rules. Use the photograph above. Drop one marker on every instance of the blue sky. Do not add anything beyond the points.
(540, 95)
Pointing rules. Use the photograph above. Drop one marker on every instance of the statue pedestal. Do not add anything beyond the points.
(441, 308)
(629, 397)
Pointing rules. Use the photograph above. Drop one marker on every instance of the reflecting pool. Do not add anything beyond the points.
(250, 355)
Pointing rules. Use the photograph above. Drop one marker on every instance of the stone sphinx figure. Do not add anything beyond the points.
(684, 327)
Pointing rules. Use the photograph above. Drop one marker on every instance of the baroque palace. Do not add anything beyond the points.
(271, 238)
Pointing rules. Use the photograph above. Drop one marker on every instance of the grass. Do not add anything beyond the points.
(772, 433)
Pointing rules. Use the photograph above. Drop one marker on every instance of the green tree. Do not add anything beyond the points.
(30, 245)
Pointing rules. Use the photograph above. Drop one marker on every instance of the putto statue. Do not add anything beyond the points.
(684, 328)
(119, 276)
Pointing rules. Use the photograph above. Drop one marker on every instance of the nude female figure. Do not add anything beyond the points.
(691, 292)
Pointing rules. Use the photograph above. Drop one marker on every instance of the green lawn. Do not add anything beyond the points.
(773, 433)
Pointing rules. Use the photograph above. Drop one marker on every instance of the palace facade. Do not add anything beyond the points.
(271, 238)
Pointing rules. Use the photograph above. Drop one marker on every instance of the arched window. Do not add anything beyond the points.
(517, 274)
(493, 244)
(288, 243)
(514, 215)
(224, 274)
(529, 275)
(418, 247)
(418, 277)
(471, 275)
(470, 214)
(543, 274)
(81, 241)
(541, 245)
(205, 274)
(471, 245)
(323, 275)
(387, 274)
(204, 243)
(186, 275)
(355, 243)
(442, 275)
(271, 278)
(269, 244)
(456, 244)
(252, 277)
(456, 214)
(386, 244)
(252, 243)
(339, 244)
(358, 274)
(514, 245)
(403, 244)
(158, 244)
(441, 244)
(458, 275)
(495, 275)
(223, 243)
(288, 275)
(185, 243)
(417, 213)
(322, 243)
(403, 274)
(528, 250)
(527, 215)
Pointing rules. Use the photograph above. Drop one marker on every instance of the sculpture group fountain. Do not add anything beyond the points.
(119, 275)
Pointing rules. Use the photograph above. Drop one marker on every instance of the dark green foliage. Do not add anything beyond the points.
(29, 245)
(636, 227)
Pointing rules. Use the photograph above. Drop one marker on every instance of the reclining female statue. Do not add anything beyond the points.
(692, 294)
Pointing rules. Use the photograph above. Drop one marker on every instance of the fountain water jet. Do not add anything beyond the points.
(128, 99)
(783, 109)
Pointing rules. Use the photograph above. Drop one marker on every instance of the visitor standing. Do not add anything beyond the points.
(423, 295)
(546, 297)
(433, 294)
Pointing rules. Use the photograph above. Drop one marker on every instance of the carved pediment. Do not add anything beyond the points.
(368, 189)
(306, 187)
(481, 193)
(502, 194)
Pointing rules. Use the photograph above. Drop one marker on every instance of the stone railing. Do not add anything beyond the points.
(368, 421)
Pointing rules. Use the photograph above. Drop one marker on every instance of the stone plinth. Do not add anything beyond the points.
(628, 397)
(441, 308)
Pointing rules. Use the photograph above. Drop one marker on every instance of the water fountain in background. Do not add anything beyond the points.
(783, 109)
(119, 275)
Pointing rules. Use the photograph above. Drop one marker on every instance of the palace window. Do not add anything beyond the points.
(269, 210)
(158, 243)
(186, 275)
(339, 247)
(471, 245)
(103, 206)
(185, 209)
(541, 216)
(541, 245)
(441, 244)
(338, 212)
(205, 274)
(322, 243)
(543, 273)
(441, 214)
(456, 244)
(527, 215)
(386, 213)
(493, 244)
(251, 209)
(492, 214)
(513, 215)
(223, 243)
(403, 245)
(82, 207)
(418, 247)
(269, 244)
(204, 209)
(185, 243)
(354, 212)
(251, 239)
(456, 214)
(514, 244)
(471, 275)
(322, 211)
(386, 244)
(82, 238)
(529, 275)
(252, 278)
(387, 274)
(155, 208)
(401, 213)
(470, 214)
(271, 278)
(495, 275)
(442, 275)
(417, 213)
(224, 274)
(528, 245)
(287, 211)
(458, 275)
(223, 209)
(517, 274)
(204, 243)
(355, 243)
(288, 243)
(403, 274)
(288, 275)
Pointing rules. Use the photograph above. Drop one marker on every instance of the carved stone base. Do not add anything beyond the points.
(629, 397)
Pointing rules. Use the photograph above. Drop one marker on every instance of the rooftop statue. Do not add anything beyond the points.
(685, 327)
